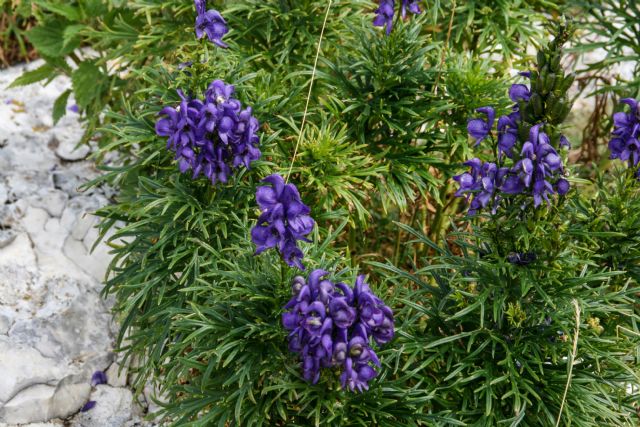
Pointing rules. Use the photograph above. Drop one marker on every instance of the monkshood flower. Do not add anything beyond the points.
(331, 326)
(412, 6)
(211, 136)
(519, 92)
(386, 11)
(384, 15)
(211, 23)
(481, 182)
(508, 134)
(480, 128)
(625, 144)
(540, 167)
(284, 220)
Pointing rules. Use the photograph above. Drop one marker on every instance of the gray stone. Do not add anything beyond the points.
(6, 320)
(23, 367)
(95, 264)
(42, 402)
(83, 224)
(51, 200)
(55, 330)
(74, 334)
(69, 150)
(117, 375)
(7, 236)
(113, 408)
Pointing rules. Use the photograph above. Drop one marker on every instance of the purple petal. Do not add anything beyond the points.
(88, 406)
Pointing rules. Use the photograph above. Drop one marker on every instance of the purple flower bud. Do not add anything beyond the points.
(88, 406)
(284, 220)
(562, 186)
(98, 377)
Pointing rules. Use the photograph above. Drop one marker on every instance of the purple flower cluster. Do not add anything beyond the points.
(213, 135)
(626, 130)
(481, 182)
(284, 220)
(330, 325)
(536, 168)
(211, 23)
(386, 11)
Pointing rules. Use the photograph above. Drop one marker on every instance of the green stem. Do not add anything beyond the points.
(282, 273)
(436, 227)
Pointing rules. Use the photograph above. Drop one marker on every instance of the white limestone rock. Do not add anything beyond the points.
(117, 375)
(114, 406)
(55, 329)
(69, 150)
(42, 402)
(7, 236)
(51, 200)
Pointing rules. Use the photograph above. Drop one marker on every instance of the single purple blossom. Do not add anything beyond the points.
(562, 186)
(73, 108)
(519, 92)
(412, 6)
(213, 25)
(521, 259)
(480, 128)
(507, 134)
(384, 15)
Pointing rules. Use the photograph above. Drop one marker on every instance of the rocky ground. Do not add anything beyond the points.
(55, 329)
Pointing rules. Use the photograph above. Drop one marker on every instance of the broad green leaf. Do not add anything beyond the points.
(60, 106)
(48, 39)
(72, 13)
(71, 32)
(33, 76)
(88, 82)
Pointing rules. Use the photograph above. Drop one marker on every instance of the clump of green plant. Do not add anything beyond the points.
(515, 321)
(216, 114)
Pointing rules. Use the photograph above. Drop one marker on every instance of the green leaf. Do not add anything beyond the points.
(88, 82)
(65, 10)
(71, 32)
(33, 76)
(48, 39)
(94, 7)
(60, 106)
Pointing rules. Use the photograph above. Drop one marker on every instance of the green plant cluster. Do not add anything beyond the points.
(480, 340)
